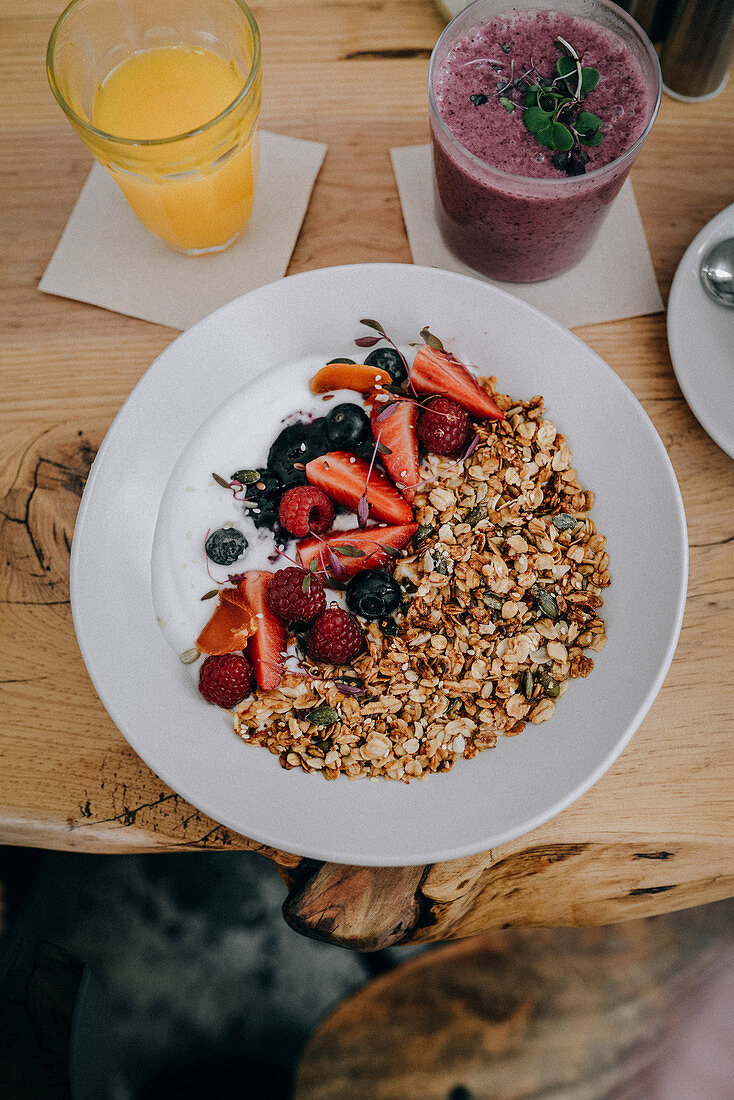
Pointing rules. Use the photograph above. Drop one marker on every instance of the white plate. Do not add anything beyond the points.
(305, 320)
(701, 338)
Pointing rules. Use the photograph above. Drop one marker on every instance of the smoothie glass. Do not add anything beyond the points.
(513, 227)
(193, 189)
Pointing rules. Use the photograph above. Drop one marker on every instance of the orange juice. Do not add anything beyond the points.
(196, 192)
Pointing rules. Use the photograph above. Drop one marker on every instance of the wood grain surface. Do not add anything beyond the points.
(581, 1014)
(657, 832)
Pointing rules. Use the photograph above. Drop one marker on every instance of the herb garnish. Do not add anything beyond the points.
(552, 107)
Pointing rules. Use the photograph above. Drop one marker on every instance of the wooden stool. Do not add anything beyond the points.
(574, 1013)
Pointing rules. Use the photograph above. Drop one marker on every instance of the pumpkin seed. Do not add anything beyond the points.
(492, 601)
(546, 602)
(527, 683)
(550, 686)
(424, 533)
(440, 564)
(323, 716)
(564, 522)
(246, 477)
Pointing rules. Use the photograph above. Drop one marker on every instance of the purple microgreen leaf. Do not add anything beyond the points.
(363, 511)
(220, 481)
(387, 412)
(431, 340)
(367, 341)
(348, 689)
(372, 324)
(210, 595)
(335, 566)
(472, 447)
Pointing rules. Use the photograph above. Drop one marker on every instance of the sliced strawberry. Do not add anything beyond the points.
(395, 428)
(344, 477)
(266, 647)
(369, 542)
(437, 372)
(349, 376)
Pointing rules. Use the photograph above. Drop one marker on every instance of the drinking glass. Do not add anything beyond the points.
(193, 189)
(513, 227)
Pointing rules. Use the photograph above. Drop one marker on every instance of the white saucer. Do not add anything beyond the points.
(701, 338)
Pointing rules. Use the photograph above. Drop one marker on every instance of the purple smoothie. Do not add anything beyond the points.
(503, 208)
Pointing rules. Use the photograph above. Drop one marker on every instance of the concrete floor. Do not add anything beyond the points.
(206, 986)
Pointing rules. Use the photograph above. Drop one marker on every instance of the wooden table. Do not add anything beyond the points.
(657, 832)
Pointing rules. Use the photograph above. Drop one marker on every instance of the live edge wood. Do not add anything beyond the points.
(657, 832)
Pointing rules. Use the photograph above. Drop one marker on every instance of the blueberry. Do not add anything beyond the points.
(373, 594)
(390, 360)
(226, 545)
(347, 427)
(298, 443)
(262, 496)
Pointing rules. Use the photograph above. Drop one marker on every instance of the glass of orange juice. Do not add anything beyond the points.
(166, 95)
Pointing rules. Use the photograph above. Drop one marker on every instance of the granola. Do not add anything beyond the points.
(503, 592)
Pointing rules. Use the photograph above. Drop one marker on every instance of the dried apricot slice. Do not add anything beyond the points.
(349, 376)
(231, 624)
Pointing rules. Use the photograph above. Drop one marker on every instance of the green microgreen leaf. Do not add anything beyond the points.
(506, 47)
(536, 120)
(565, 66)
(594, 138)
(508, 105)
(431, 340)
(479, 98)
(372, 324)
(349, 551)
(587, 123)
(352, 362)
(589, 80)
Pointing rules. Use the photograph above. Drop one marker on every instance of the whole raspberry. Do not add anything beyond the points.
(335, 638)
(305, 510)
(295, 595)
(225, 681)
(443, 427)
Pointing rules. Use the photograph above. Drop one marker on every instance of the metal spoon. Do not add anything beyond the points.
(717, 272)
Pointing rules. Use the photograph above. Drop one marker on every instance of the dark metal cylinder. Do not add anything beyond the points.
(699, 49)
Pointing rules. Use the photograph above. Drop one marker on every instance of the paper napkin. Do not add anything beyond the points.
(106, 257)
(615, 280)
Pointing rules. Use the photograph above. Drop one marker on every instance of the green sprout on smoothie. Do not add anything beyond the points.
(552, 107)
